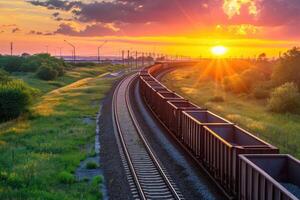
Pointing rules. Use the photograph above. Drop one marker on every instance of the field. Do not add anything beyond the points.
(281, 130)
(41, 151)
(69, 77)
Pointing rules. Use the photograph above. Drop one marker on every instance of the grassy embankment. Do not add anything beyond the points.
(40, 152)
(281, 130)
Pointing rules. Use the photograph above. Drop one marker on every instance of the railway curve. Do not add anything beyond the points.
(147, 178)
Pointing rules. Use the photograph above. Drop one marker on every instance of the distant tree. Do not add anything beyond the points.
(287, 70)
(285, 98)
(46, 72)
(11, 63)
(262, 57)
(26, 55)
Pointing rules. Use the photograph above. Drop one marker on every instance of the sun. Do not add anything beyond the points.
(219, 50)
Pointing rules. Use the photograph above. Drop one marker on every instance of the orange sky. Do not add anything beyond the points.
(187, 27)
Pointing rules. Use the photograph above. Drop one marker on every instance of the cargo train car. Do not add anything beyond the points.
(222, 144)
(225, 150)
(192, 124)
(173, 114)
(264, 177)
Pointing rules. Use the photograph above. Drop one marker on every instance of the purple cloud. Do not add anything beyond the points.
(179, 16)
(90, 30)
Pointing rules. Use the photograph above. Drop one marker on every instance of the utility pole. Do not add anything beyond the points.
(11, 48)
(123, 59)
(143, 57)
(74, 50)
(128, 55)
(60, 52)
(136, 59)
(99, 60)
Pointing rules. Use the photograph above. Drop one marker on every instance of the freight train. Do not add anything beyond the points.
(243, 166)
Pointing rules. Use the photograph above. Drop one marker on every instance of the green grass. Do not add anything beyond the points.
(70, 76)
(281, 130)
(40, 152)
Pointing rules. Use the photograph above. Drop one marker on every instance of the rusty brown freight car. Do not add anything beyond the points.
(161, 99)
(221, 148)
(173, 115)
(143, 83)
(264, 177)
(192, 128)
(150, 89)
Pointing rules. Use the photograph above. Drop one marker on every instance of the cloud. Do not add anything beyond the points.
(128, 11)
(90, 30)
(233, 7)
(56, 4)
(32, 32)
(172, 17)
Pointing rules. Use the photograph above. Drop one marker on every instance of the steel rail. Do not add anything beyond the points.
(138, 128)
(159, 169)
(127, 155)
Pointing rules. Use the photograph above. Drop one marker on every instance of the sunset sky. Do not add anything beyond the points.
(187, 27)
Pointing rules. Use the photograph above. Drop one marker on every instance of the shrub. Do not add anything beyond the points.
(217, 99)
(15, 98)
(262, 90)
(3, 176)
(244, 82)
(47, 73)
(30, 65)
(4, 76)
(97, 180)
(58, 68)
(66, 177)
(260, 93)
(251, 76)
(234, 84)
(91, 165)
(95, 186)
(15, 181)
(11, 63)
(284, 98)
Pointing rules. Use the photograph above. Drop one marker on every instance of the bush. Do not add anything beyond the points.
(97, 180)
(4, 77)
(234, 84)
(11, 63)
(66, 177)
(91, 165)
(47, 73)
(30, 65)
(96, 185)
(15, 181)
(251, 76)
(261, 90)
(15, 98)
(260, 93)
(285, 98)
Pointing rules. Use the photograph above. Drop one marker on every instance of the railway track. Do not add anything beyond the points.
(147, 178)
